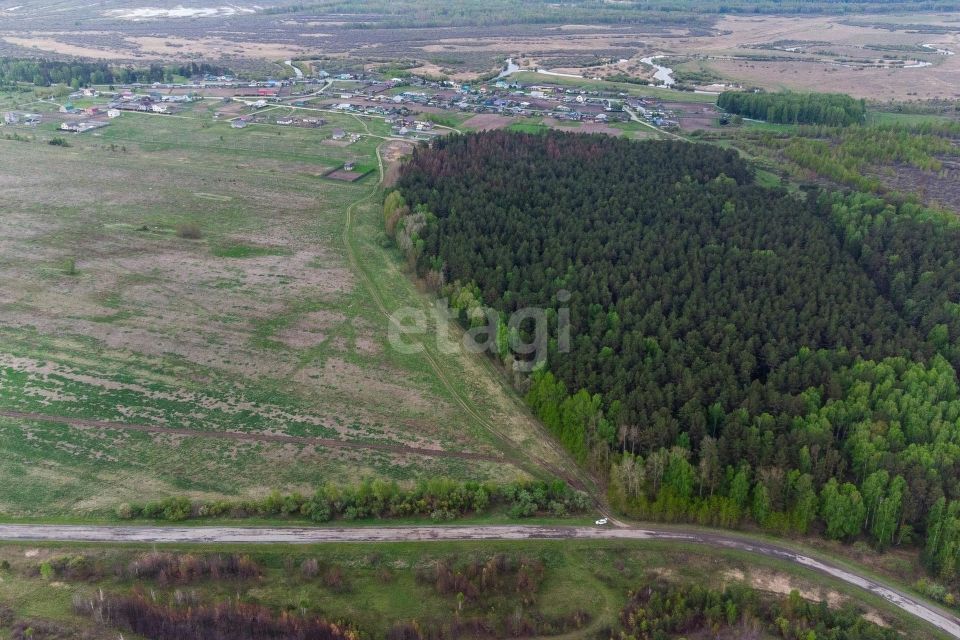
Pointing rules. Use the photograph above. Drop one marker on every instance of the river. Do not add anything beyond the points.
(509, 70)
(296, 69)
(943, 52)
(663, 74)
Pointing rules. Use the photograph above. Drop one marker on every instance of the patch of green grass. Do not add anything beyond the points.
(200, 335)
(761, 125)
(247, 251)
(528, 125)
(447, 119)
(529, 77)
(887, 117)
(767, 178)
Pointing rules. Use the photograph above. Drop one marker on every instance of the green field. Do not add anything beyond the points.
(887, 117)
(527, 77)
(272, 321)
(380, 585)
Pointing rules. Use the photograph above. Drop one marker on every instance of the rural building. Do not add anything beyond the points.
(338, 134)
(113, 113)
(239, 123)
(82, 127)
(11, 117)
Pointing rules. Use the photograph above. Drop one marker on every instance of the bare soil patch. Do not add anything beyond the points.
(940, 188)
(311, 330)
(65, 48)
(488, 122)
(213, 47)
(392, 154)
(597, 127)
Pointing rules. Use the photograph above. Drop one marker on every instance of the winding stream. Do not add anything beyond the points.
(663, 74)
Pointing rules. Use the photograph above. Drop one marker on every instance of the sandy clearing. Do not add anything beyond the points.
(146, 13)
(65, 48)
(784, 585)
(211, 46)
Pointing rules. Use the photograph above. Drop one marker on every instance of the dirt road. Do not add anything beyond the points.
(939, 618)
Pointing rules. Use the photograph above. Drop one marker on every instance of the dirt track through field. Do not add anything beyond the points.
(937, 617)
(82, 423)
(571, 474)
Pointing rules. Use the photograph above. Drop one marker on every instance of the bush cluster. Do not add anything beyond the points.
(439, 499)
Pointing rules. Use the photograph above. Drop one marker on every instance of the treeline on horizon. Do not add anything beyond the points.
(690, 13)
(76, 73)
(738, 354)
(788, 107)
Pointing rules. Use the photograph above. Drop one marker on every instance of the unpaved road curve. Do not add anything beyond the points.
(944, 621)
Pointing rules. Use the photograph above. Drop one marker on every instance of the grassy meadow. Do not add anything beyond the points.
(372, 588)
(173, 273)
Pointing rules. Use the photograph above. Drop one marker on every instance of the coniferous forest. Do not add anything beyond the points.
(737, 353)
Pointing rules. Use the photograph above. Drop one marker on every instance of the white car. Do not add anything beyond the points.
(602, 521)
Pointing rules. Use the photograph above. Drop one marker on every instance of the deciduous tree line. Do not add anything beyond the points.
(437, 498)
(832, 109)
(44, 73)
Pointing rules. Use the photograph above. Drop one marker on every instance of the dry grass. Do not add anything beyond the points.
(258, 326)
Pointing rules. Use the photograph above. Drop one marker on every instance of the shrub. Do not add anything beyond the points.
(310, 568)
(150, 618)
(440, 499)
(336, 580)
(176, 508)
(189, 231)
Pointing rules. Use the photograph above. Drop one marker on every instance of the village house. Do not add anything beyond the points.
(81, 127)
